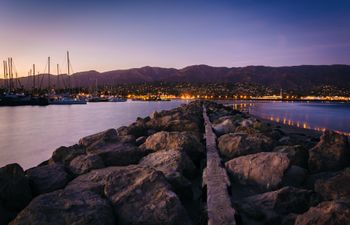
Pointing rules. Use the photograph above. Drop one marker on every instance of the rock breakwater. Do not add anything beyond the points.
(201, 163)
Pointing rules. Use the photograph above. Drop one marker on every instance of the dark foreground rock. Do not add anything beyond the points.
(47, 178)
(326, 213)
(272, 207)
(336, 187)
(332, 153)
(15, 192)
(133, 189)
(67, 207)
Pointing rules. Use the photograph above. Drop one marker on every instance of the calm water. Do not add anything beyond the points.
(316, 116)
(29, 134)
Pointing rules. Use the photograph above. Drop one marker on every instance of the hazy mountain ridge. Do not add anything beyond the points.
(287, 77)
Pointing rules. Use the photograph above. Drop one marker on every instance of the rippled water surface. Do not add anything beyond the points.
(316, 116)
(29, 134)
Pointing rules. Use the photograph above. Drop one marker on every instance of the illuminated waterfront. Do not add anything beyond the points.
(317, 116)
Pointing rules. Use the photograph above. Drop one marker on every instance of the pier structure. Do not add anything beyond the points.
(220, 210)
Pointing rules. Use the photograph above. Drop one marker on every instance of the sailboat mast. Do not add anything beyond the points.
(58, 76)
(68, 67)
(48, 72)
(33, 71)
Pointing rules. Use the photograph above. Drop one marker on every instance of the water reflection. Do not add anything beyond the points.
(316, 116)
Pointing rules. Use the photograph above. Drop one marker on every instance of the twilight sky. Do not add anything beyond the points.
(105, 35)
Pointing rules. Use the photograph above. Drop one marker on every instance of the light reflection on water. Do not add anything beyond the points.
(29, 134)
(316, 116)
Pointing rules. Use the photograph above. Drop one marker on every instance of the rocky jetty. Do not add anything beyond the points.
(201, 163)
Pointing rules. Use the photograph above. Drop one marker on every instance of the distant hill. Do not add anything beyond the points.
(288, 77)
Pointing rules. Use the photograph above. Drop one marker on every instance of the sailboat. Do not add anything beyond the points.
(65, 99)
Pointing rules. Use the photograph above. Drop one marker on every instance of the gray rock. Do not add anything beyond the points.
(224, 127)
(109, 135)
(118, 154)
(186, 141)
(15, 192)
(332, 153)
(85, 163)
(47, 178)
(265, 170)
(133, 189)
(239, 144)
(140, 189)
(140, 140)
(65, 154)
(296, 154)
(273, 206)
(336, 187)
(67, 207)
(326, 213)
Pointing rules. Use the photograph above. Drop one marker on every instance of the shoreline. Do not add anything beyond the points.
(163, 161)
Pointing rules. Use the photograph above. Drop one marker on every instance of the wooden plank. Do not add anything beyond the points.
(220, 210)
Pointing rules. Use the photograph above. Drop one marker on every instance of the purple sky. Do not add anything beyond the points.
(105, 35)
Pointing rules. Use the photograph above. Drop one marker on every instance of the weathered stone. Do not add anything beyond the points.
(185, 141)
(48, 178)
(273, 206)
(85, 163)
(336, 187)
(326, 213)
(67, 207)
(297, 154)
(224, 127)
(265, 169)
(332, 153)
(15, 192)
(295, 176)
(136, 129)
(175, 165)
(169, 162)
(237, 144)
(119, 154)
(109, 135)
(140, 189)
(65, 154)
(133, 189)
(140, 140)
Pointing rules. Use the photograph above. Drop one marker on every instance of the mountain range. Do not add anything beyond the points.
(286, 77)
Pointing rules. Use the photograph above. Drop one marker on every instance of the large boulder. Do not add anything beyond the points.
(170, 162)
(176, 166)
(65, 154)
(47, 178)
(239, 144)
(336, 187)
(118, 154)
(15, 192)
(326, 213)
(296, 154)
(265, 170)
(139, 189)
(225, 126)
(85, 163)
(133, 189)
(186, 141)
(62, 207)
(109, 135)
(332, 153)
(271, 207)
